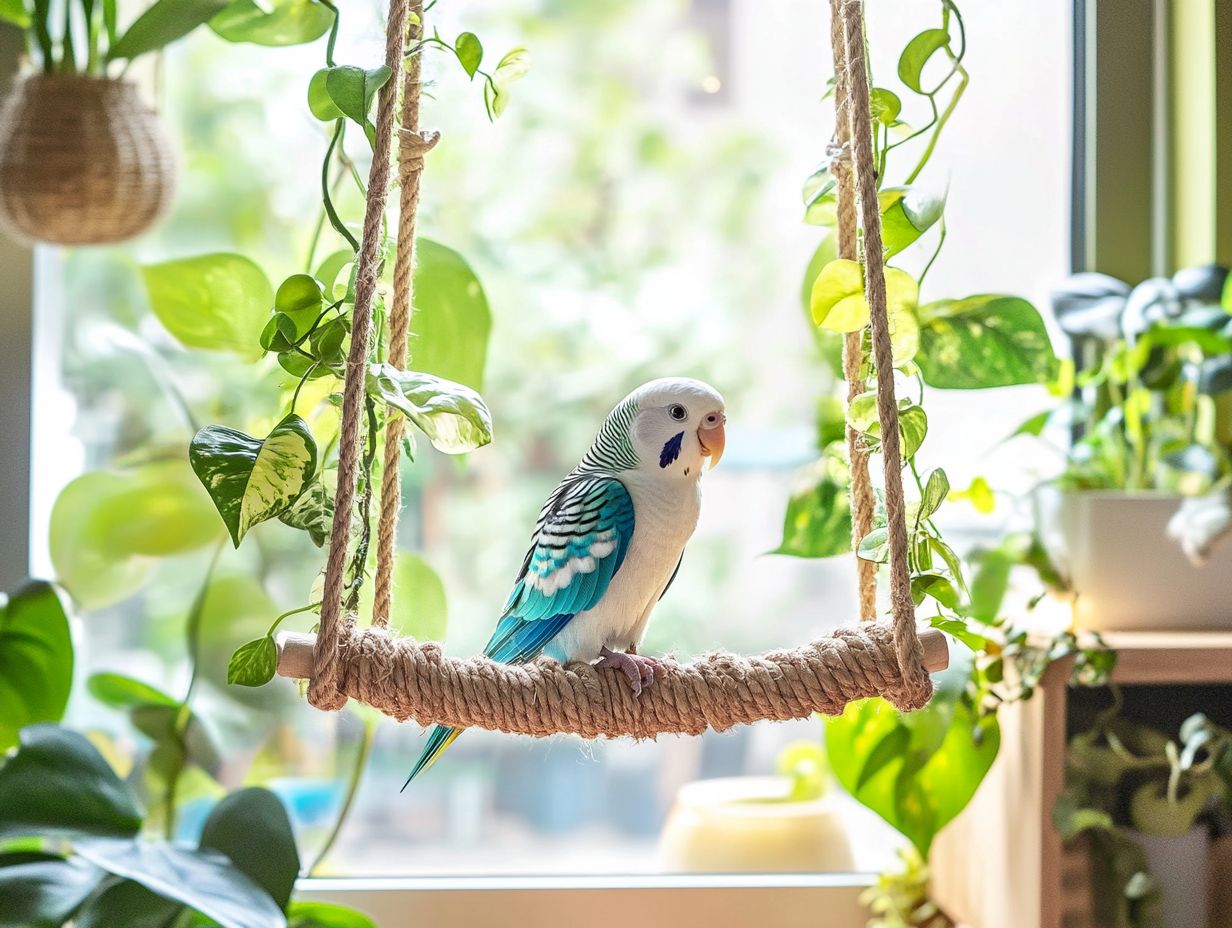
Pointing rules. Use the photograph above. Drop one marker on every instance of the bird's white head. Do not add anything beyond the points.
(676, 426)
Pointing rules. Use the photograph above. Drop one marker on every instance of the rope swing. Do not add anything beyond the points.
(407, 679)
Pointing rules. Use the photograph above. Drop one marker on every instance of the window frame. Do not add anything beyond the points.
(1117, 206)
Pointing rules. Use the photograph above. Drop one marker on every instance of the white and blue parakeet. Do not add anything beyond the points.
(610, 538)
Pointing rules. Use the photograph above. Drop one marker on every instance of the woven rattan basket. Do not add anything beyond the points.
(83, 161)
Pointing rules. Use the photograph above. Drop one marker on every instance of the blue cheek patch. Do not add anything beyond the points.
(671, 450)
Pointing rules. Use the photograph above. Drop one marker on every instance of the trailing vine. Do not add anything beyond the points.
(288, 473)
(918, 770)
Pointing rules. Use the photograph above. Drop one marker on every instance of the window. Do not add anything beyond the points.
(634, 214)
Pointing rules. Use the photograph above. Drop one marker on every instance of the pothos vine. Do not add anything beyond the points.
(986, 340)
(288, 474)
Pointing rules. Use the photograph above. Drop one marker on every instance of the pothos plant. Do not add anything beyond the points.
(919, 770)
(109, 528)
(85, 36)
(289, 473)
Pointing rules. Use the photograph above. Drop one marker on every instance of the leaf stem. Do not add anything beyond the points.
(357, 773)
(299, 386)
(286, 615)
(334, 219)
(184, 716)
(360, 558)
(941, 121)
(332, 41)
(936, 251)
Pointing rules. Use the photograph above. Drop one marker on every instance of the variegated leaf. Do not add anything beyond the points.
(454, 417)
(313, 513)
(251, 479)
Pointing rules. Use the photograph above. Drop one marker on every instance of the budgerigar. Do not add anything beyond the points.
(610, 538)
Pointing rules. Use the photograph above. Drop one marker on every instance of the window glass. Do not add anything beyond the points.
(635, 213)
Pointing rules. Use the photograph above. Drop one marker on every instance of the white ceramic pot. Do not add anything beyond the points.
(1129, 574)
(746, 824)
(1180, 867)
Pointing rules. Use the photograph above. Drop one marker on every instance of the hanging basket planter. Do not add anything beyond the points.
(83, 161)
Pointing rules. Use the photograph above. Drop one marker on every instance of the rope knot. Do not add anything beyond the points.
(838, 156)
(412, 146)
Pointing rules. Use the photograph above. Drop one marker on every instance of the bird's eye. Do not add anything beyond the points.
(678, 412)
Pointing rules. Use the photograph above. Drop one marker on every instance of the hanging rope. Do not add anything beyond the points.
(901, 604)
(410, 680)
(862, 499)
(412, 146)
(323, 690)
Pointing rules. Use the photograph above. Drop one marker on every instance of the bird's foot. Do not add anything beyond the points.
(638, 670)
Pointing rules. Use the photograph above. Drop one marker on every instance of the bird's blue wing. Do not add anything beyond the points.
(580, 542)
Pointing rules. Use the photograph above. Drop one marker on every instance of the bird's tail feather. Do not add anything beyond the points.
(441, 738)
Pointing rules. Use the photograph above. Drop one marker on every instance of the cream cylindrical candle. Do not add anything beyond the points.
(750, 824)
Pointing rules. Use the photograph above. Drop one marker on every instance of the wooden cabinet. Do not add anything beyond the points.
(1001, 864)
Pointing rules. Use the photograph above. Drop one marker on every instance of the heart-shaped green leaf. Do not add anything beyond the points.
(420, 609)
(272, 862)
(935, 490)
(352, 89)
(938, 587)
(107, 525)
(984, 341)
(837, 302)
(163, 23)
(300, 294)
(251, 479)
(124, 692)
(916, 54)
(313, 513)
(469, 50)
(36, 660)
(885, 105)
(58, 783)
(935, 760)
(907, 213)
(320, 103)
(511, 68)
(454, 417)
(254, 663)
(818, 519)
(282, 22)
(913, 427)
(452, 321)
(218, 301)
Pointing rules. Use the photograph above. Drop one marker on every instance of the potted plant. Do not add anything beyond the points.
(83, 159)
(780, 824)
(1144, 802)
(1144, 493)
(80, 843)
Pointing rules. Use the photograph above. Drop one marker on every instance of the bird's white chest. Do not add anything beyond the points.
(665, 515)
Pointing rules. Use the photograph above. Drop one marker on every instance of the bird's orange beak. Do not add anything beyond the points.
(712, 438)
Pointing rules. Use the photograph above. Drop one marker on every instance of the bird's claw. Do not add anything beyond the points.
(638, 670)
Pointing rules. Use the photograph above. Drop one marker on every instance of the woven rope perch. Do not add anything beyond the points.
(412, 681)
(409, 680)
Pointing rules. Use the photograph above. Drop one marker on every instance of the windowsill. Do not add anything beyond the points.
(769, 900)
(587, 882)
